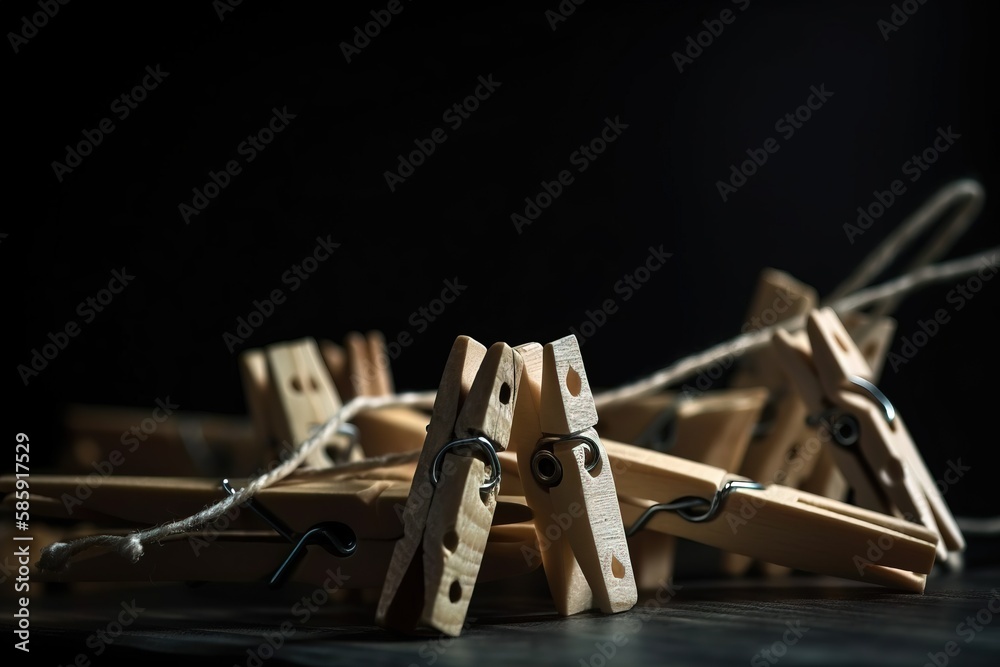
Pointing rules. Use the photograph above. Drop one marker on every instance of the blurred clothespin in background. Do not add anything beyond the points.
(786, 449)
(867, 437)
(361, 367)
(290, 394)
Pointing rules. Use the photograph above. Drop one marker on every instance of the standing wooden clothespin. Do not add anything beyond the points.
(290, 394)
(452, 498)
(871, 444)
(568, 483)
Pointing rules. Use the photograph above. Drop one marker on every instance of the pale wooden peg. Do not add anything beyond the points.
(261, 401)
(571, 487)
(386, 430)
(775, 523)
(771, 454)
(448, 514)
(873, 336)
(805, 464)
(567, 584)
(881, 463)
(307, 399)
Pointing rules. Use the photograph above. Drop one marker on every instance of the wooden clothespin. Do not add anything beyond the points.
(873, 336)
(297, 530)
(771, 523)
(568, 483)
(786, 448)
(361, 368)
(870, 442)
(452, 498)
(290, 394)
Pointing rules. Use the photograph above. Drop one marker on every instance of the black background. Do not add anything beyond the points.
(323, 175)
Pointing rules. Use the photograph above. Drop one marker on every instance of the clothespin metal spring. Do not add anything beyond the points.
(683, 506)
(545, 466)
(336, 537)
(485, 445)
(844, 427)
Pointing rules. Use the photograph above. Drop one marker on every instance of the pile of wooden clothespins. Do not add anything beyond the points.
(798, 463)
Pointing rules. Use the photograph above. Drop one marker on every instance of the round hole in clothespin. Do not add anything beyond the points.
(573, 382)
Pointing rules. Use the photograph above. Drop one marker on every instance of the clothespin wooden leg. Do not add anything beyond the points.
(448, 511)
(290, 394)
(569, 484)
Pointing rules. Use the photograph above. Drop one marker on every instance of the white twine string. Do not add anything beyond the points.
(966, 194)
(743, 343)
(57, 555)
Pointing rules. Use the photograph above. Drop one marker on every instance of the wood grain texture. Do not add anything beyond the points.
(570, 591)
(435, 564)
(402, 598)
(595, 530)
(567, 402)
(597, 534)
(777, 524)
(307, 399)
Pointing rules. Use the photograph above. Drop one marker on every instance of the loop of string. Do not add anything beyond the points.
(852, 294)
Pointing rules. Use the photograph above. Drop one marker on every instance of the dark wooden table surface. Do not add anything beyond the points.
(794, 620)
